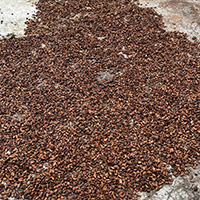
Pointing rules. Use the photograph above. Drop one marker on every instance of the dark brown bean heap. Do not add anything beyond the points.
(95, 103)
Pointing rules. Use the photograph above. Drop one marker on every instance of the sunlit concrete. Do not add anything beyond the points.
(178, 15)
(13, 14)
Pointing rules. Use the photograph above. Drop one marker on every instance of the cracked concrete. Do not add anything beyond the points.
(178, 15)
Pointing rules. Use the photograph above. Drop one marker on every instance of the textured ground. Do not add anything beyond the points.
(13, 14)
(183, 188)
(178, 15)
(184, 16)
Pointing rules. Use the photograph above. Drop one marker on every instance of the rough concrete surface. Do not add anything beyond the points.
(13, 14)
(178, 15)
(182, 188)
(183, 16)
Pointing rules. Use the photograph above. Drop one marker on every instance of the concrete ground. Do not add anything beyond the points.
(183, 16)
(13, 14)
(182, 188)
(178, 15)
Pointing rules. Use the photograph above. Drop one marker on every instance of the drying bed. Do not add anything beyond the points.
(98, 101)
